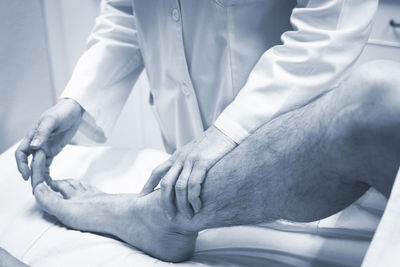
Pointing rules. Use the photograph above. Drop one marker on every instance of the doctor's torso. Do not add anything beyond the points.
(198, 54)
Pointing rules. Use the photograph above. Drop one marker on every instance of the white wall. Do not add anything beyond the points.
(25, 81)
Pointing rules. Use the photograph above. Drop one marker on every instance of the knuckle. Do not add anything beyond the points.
(29, 135)
(154, 173)
(179, 163)
(180, 186)
(35, 131)
(192, 158)
(202, 167)
(164, 184)
(200, 164)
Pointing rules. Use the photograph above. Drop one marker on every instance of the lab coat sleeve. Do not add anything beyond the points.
(105, 74)
(327, 38)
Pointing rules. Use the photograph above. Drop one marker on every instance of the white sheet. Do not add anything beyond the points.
(385, 247)
(39, 240)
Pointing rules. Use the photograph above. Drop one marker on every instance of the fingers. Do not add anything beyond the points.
(49, 161)
(34, 141)
(157, 174)
(45, 127)
(39, 168)
(21, 156)
(194, 186)
(48, 200)
(167, 189)
(181, 191)
(65, 187)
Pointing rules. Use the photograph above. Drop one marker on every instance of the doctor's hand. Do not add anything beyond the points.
(52, 132)
(182, 175)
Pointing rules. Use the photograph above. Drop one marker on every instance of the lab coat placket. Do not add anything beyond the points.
(186, 85)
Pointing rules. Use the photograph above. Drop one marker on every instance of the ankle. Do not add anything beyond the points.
(179, 224)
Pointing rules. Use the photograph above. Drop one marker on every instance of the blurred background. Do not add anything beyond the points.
(41, 40)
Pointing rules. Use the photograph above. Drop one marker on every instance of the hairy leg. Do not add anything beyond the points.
(305, 165)
(312, 162)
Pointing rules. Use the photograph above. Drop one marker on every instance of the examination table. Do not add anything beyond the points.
(39, 240)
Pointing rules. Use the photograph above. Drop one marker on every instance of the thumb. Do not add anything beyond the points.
(44, 128)
(155, 177)
(38, 167)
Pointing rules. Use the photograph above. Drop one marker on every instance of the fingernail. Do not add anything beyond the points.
(35, 142)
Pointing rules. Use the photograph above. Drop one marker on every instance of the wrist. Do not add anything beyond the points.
(216, 133)
(76, 106)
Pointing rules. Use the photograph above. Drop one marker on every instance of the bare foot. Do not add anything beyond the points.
(136, 220)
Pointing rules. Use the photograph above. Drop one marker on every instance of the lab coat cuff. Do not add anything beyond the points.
(89, 127)
(231, 128)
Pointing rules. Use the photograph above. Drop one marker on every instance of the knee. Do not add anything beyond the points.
(379, 71)
(378, 83)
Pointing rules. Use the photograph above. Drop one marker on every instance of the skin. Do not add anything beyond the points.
(51, 134)
(303, 166)
(182, 175)
(6, 259)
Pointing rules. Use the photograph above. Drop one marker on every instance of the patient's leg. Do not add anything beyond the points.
(314, 161)
(302, 166)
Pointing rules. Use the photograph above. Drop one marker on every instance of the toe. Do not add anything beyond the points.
(66, 189)
(77, 185)
(48, 200)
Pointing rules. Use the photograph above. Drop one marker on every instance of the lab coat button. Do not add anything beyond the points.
(185, 89)
(175, 15)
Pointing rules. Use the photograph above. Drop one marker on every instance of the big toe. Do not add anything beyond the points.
(48, 200)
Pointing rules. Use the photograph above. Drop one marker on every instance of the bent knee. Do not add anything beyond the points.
(377, 82)
(379, 69)
(376, 87)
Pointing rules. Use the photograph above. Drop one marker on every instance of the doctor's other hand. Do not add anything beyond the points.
(51, 133)
(182, 175)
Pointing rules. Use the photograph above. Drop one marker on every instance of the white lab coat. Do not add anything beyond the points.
(232, 63)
